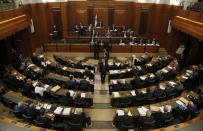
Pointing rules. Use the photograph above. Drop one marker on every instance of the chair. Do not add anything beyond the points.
(75, 127)
(171, 95)
(147, 125)
(27, 118)
(168, 121)
(125, 103)
(39, 124)
(158, 99)
(126, 127)
(150, 100)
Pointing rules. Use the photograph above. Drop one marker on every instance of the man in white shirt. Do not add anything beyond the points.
(40, 90)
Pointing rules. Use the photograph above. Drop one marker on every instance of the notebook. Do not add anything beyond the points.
(55, 88)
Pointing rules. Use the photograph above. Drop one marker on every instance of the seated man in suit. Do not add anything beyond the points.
(41, 118)
(31, 111)
(159, 92)
(79, 117)
(166, 114)
(36, 59)
(147, 118)
(124, 119)
(28, 88)
(21, 107)
(148, 95)
(72, 83)
(79, 65)
(197, 99)
(88, 73)
(170, 89)
(66, 100)
(191, 107)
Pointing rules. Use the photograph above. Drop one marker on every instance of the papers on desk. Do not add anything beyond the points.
(92, 71)
(152, 75)
(41, 56)
(129, 69)
(164, 70)
(39, 106)
(83, 95)
(44, 64)
(161, 108)
(184, 100)
(170, 67)
(189, 71)
(66, 111)
(180, 102)
(37, 69)
(64, 68)
(78, 110)
(142, 78)
(120, 112)
(123, 81)
(144, 92)
(71, 93)
(116, 94)
(58, 110)
(172, 83)
(46, 86)
(114, 81)
(133, 93)
(110, 63)
(115, 71)
(55, 88)
(139, 68)
(118, 64)
(154, 108)
(142, 111)
(131, 43)
(162, 87)
(48, 62)
(35, 84)
(121, 43)
(30, 65)
(149, 64)
(123, 71)
(184, 77)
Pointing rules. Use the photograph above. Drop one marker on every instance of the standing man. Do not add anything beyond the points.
(96, 50)
(103, 69)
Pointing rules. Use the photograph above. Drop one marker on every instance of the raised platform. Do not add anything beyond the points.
(115, 48)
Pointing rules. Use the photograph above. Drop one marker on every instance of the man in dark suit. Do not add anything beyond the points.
(165, 115)
(103, 69)
(66, 100)
(79, 117)
(159, 92)
(88, 73)
(28, 88)
(96, 50)
(147, 118)
(31, 111)
(124, 120)
(71, 83)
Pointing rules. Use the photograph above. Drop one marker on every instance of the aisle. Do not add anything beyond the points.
(101, 113)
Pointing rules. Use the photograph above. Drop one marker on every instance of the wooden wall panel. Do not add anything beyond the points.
(64, 16)
(136, 17)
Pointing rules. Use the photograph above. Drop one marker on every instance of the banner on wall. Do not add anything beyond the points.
(169, 27)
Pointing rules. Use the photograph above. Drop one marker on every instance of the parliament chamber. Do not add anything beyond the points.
(101, 65)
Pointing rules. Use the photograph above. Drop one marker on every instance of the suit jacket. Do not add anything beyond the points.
(66, 100)
(88, 73)
(32, 112)
(159, 93)
(78, 119)
(103, 68)
(143, 119)
(191, 109)
(163, 116)
(126, 120)
(96, 47)
(71, 83)
(44, 120)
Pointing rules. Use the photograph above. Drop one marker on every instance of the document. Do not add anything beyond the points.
(133, 93)
(142, 111)
(83, 95)
(120, 112)
(71, 93)
(66, 111)
(116, 94)
(58, 110)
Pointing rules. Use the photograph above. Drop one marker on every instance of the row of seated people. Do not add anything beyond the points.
(144, 80)
(63, 70)
(137, 97)
(69, 63)
(34, 72)
(158, 115)
(117, 65)
(52, 116)
(151, 67)
(47, 92)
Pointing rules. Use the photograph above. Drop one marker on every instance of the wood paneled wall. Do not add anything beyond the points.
(127, 14)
